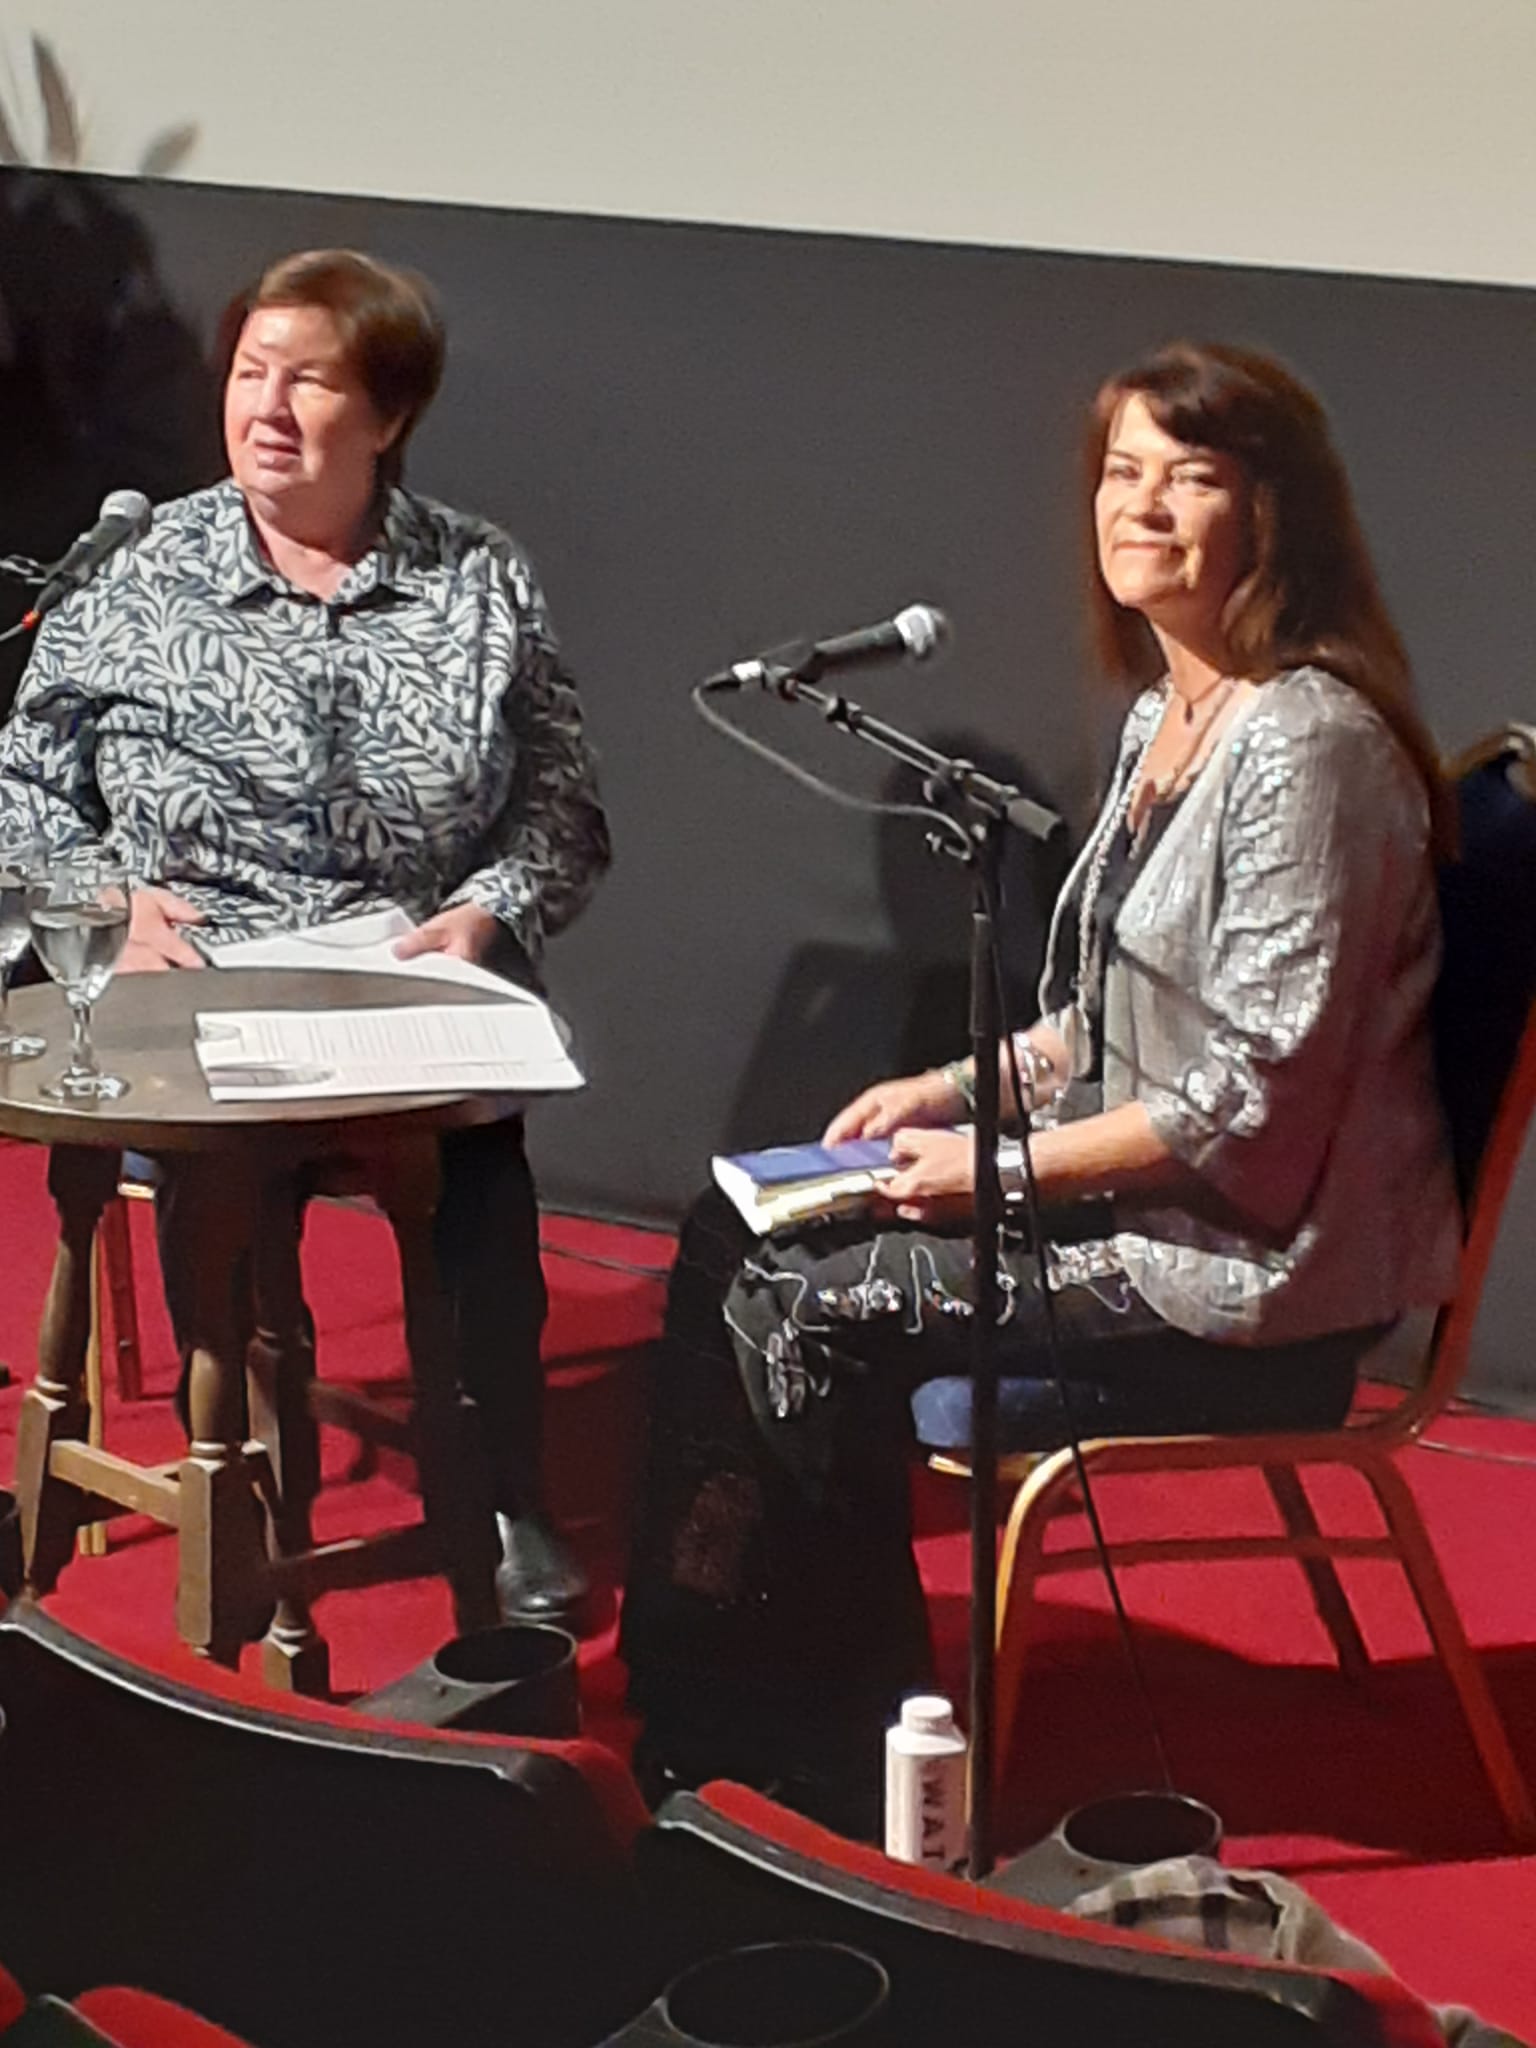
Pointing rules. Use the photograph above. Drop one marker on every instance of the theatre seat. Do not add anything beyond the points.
(303, 1876)
(137, 2019)
(13, 2000)
(114, 2018)
(725, 1867)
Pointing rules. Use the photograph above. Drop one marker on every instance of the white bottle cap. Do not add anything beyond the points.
(928, 1714)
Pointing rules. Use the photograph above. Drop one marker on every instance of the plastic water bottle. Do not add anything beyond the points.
(925, 1817)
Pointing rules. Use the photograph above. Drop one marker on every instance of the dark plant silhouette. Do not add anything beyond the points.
(63, 136)
(103, 383)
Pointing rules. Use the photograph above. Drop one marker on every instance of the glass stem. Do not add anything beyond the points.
(82, 1054)
(5, 1004)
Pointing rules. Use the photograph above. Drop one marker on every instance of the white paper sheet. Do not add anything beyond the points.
(508, 1048)
(360, 945)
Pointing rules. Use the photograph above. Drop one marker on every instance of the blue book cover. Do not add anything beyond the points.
(784, 1163)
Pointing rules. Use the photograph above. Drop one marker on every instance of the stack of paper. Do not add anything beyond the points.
(508, 1048)
(359, 945)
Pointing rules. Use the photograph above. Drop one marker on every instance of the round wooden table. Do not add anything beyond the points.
(243, 1573)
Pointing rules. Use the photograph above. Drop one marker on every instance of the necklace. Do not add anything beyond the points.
(1216, 695)
(1077, 1030)
(1191, 704)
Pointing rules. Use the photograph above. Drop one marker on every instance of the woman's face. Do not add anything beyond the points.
(301, 433)
(1171, 522)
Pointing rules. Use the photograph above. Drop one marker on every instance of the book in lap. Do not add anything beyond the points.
(791, 1184)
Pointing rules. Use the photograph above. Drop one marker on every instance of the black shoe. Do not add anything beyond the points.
(538, 1579)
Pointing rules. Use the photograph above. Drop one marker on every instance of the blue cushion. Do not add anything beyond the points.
(1028, 1413)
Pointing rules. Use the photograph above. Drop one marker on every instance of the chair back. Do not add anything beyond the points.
(1499, 1161)
(303, 1878)
(1488, 918)
(726, 1866)
(1485, 1019)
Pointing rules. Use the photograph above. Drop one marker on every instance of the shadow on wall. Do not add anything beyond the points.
(844, 1016)
(102, 383)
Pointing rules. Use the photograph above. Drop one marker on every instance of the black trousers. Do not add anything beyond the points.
(773, 1598)
(488, 1245)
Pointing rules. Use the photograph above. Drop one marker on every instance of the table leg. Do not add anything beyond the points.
(280, 1365)
(223, 1597)
(81, 1180)
(454, 1473)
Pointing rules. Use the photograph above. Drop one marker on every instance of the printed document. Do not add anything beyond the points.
(508, 1048)
(360, 945)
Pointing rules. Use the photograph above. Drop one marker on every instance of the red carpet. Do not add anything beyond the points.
(1370, 1795)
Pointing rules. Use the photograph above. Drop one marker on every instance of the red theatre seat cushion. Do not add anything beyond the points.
(13, 2001)
(138, 2019)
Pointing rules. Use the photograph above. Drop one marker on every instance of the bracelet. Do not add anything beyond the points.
(1011, 1175)
(961, 1077)
(1038, 1071)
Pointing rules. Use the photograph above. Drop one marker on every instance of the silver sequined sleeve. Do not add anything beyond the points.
(1318, 872)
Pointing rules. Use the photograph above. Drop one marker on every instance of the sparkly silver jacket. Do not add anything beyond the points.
(1267, 1000)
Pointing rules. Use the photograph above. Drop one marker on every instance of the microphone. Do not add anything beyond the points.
(124, 516)
(912, 635)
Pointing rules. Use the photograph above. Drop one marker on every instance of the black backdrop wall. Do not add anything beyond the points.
(713, 440)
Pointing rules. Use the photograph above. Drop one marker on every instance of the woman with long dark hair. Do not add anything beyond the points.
(1228, 1100)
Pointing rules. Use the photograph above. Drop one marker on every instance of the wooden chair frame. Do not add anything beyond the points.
(1368, 1447)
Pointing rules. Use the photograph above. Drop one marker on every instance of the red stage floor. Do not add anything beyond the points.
(1370, 1795)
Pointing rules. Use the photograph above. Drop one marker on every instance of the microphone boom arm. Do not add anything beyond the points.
(1001, 800)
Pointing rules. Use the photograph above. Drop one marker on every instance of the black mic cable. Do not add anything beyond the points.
(1064, 1396)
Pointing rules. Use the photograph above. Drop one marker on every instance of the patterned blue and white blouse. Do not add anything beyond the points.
(278, 759)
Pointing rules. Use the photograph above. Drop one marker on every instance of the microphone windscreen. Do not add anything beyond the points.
(131, 506)
(924, 628)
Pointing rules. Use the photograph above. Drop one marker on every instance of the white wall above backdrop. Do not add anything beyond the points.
(1389, 136)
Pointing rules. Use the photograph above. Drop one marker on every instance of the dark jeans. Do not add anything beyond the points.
(772, 1588)
(488, 1245)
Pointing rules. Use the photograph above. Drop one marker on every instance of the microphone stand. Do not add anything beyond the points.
(994, 808)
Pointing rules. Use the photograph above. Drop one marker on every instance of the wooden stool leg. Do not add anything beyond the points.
(280, 1365)
(455, 1480)
(223, 1598)
(93, 1537)
(81, 1181)
(117, 1278)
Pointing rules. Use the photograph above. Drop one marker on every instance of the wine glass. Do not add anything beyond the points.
(79, 907)
(18, 860)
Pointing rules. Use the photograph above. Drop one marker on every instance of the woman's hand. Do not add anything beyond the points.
(918, 1099)
(936, 1183)
(154, 943)
(464, 933)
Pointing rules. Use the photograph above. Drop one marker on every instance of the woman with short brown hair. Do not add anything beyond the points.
(308, 693)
